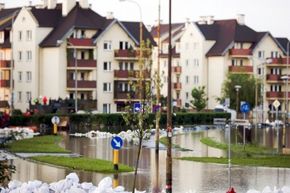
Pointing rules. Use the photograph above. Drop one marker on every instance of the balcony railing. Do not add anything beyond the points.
(5, 63)
(83, 42)
(130, 74)
(282, 61)
(280, 95)
(177, 86)
(82, 84)
(82, 63)
(4, 104)
(177, 69)
(274, 77)
(241, 69)
(126, 54)
(126, 96)
(240, 52)
(5, 83)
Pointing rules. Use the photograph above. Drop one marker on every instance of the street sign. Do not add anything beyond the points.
(137, 107)
(117, 142)
(55, 120)
(276, 104)
(245, 108)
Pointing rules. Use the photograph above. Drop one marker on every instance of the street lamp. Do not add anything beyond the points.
(237, 87)
(76, 72)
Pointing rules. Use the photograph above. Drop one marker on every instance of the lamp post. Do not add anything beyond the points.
(237, 87)
(287, 84)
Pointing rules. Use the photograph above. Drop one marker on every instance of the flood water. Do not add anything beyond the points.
(203, 178)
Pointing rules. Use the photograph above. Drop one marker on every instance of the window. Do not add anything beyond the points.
(275, 88)
(19, 96)
(107, 66)
(106, 108)
(20, 35)
(29, 55)
(276, 71)
(28, 96)
(28, 76)
(107, 45)
(19, 76)
(28, 35)
(195, 80)
(187, 79)
(261, 54)
(82, 76)
(274, 54)
(196, 62)
(107, 87)
(19, 55)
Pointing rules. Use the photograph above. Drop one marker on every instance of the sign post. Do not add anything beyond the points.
(55, 121)
(245, 108)
(116, 143)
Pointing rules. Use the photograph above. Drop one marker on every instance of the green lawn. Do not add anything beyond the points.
(250, 156)
(82, 163)
(39, 144)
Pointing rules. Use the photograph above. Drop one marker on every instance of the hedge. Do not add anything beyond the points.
(115, 121)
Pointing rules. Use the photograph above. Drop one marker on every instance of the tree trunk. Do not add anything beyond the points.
(137, 163)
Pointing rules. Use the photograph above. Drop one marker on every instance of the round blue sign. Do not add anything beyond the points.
(245, 108)
(117, 142)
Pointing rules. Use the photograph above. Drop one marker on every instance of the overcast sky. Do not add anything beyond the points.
(261, 15)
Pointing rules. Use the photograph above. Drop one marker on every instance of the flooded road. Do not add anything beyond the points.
(204, 178)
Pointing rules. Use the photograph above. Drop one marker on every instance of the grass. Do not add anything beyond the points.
(164, 141)
(239, 149)
(250, 156)
(82, 163)
(273, 161)
(39, 144)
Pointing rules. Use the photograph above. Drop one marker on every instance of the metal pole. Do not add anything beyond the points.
(76, 81)
(229, 156)
(169, 115)
(287, 82)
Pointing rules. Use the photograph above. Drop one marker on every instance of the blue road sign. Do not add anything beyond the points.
(137, 107)
(117, 142)
(245, 108)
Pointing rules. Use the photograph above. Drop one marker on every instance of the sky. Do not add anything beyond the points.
(261, 15)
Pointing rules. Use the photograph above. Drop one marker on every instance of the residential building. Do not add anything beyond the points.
(76, 53)
(207, 50)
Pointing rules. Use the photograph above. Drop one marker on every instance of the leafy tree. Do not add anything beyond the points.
(199, 98)
(141, 90)
(249, 85)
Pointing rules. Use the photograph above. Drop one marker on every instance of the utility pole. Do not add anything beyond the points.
(169, 115)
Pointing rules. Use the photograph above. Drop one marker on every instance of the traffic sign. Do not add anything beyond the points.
(137, 107)
(55, 120)
(117, 142)
(245, 108)
(276, 104)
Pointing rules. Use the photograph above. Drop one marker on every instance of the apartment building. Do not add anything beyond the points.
(68, 51)
(207, 50)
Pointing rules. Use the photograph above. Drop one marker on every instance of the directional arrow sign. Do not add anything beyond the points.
(245, 108)
(117, 142)
(137, 107)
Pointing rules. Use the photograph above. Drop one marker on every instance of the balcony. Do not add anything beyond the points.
(273, 78)
(82, 63)
(81, 42)
(277, 95)
(5, 63)
(177, 86)
(279, 62)
(5, 84)
(126, 54)
(124, 96)
(82, 84)
(177, 69)
(130, 74)
(241, 52)
(241, 69)
(4, 104)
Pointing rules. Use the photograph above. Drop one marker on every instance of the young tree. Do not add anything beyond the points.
(249, 87)
(141, 89)
(199, 98)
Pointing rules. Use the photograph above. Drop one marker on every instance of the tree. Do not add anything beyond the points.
(141, 88)
(249, 87)
(199, 98)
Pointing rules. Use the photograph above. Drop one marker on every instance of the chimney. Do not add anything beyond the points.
(110, 15)
(51, 4)
(2, 6)
(241, 19)
(210, 20)
(202, 20)
(67, 6)
(84, 4)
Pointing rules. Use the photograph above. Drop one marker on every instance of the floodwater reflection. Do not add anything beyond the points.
(203, 178)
